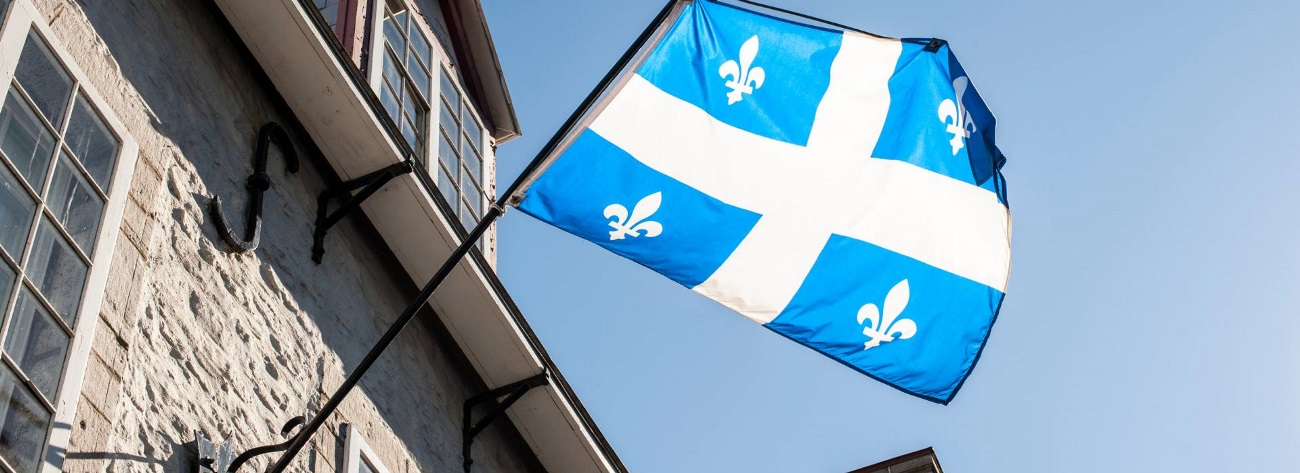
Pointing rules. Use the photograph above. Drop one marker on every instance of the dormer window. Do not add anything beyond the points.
(405, 82)
(451, 141)
(461, 175)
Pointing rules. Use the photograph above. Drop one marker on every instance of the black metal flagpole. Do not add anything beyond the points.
(300, 439)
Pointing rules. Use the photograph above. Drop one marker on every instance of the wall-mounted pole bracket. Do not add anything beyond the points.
(257, 184)
(512, 393)
(368, 185)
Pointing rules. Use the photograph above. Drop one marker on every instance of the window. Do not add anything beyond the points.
(450, 141)
(405, 83)
(359, 458)
(460, 154)
(61, 190)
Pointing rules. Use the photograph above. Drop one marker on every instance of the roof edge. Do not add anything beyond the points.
(486, 67)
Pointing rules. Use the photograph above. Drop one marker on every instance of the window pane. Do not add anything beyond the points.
(364, 467)
(6, 283)
(472, 129)
(448, 89)
(36, 344)
(418, 75)
(391, 32)
(44, 79)
(467, 186)
(411, 135)
(410, 107)
(420, 46)
(57, 272)
(74, 203)
(389, 99)
(330, 10)
(466, 218)
(472, 161)
(91, 141)
(449, 159)
(25, 421)
(391, 74)
(447, 119)
(27, 143)
(446, 185)
(16, 209)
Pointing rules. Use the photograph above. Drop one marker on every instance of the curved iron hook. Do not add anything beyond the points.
(257, 184)
(279, 447)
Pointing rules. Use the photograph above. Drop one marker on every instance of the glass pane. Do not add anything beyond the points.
(330, 10)
(74, 203)
(420, 46)
(472, 161)
(391, 32)
(391, 73)
(449, 159)
(447, 119)
(389, 99)
(446, 184)
(419, 75)
(410, 107)
(22, 435)
(91, 141)
(16, 209)
(472, 128)
(6, 283)
(37, 344)
(448, 89)
(466, 218)
(470, 189)
(57, 272)
(411, 135)
(364, 467)
(27, 143)
(44, 79)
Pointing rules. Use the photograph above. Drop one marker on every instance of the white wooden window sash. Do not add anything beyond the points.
(73, 314)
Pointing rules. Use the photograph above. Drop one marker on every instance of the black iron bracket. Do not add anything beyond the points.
(217, 458)
(258, 183)
(368, 185)
(512, 393)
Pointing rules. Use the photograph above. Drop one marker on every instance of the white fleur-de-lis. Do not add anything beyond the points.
(889, 328)
(636, 224)
(743, 79)
(956, 116)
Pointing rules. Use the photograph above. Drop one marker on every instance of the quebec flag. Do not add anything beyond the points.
(840, 189)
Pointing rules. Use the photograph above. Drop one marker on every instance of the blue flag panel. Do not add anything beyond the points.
(843, 190)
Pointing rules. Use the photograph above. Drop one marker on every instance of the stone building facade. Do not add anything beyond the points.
(131, 325)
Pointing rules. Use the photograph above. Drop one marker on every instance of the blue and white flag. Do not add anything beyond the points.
(842, 190)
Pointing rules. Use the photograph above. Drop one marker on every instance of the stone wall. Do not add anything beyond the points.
(192, 337)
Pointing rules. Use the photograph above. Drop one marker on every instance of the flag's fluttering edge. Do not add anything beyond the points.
(841, 189)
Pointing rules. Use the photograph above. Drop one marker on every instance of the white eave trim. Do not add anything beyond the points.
(315, 84)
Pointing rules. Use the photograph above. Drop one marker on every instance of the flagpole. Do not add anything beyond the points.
(332, 404)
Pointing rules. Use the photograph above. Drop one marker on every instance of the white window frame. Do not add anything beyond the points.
(22, 16)
(356, 451)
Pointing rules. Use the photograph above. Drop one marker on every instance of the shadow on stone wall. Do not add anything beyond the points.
(235, 344)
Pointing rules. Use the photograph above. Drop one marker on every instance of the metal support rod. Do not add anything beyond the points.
(258, 451)
(470, 429)
(489, 217)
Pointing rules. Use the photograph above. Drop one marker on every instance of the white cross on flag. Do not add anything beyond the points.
(841, 189)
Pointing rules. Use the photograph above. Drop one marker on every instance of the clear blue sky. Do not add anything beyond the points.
(1151, 319)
